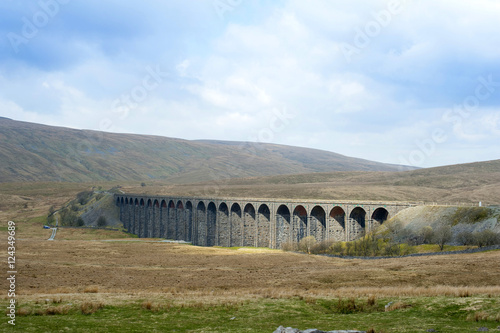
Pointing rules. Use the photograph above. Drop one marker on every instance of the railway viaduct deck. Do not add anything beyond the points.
(250, 222)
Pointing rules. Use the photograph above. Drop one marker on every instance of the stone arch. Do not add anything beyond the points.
(156, 219)
(299, 225)
(189, 221)
(180, 229)
(142, 219)
(118, 201)
(149, 217)
(337, 224)
(282, 226)
(211, 224)
(249, 226)
(263, 226)
(236, 225)
(224, 225)
(163, 219)
(318, 223)
(125, 218)
(358, 223)
(172, 220)
(379, 216)
(135, 227)
(201, 224)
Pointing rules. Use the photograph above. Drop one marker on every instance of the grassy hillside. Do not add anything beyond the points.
(465, 183)
(33, 152)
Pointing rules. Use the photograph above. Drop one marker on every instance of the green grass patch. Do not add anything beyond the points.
(417, 314)
(430, 248)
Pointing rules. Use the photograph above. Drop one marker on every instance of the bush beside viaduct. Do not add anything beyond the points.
(249, 222)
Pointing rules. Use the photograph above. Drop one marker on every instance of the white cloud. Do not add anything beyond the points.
(225, 77)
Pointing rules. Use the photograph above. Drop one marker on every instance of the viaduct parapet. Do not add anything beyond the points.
(250, 222)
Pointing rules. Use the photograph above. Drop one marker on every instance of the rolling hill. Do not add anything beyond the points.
(32, 152)
(462, 183)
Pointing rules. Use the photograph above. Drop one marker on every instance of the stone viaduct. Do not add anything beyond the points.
(249, 222)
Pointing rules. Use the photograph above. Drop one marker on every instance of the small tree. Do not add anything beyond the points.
(80, 222)
(101, 221)
(84, 197)
(427, 234)
(306, 244)
(50, 219)
(465, 238)
(486, 238)
(442, 236)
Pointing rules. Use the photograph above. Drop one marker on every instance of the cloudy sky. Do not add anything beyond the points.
(401, 81)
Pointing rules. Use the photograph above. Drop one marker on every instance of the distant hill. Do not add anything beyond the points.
(32, 152)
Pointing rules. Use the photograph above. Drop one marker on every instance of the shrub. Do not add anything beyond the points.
(486, 238)
(289, 246)
(68, 218)
(101, 221)
(470, 215)
(80, 222)
(84, 197)
(306, 244)
(90, 307)
(23, 312)
(392, 249)
(347, 307)
(465, 238)
(337, 248)
(321, 247)
(53, 310)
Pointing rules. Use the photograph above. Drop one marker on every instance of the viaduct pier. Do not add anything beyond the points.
(250, 222)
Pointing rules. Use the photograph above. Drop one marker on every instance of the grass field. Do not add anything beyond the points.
(108, 281)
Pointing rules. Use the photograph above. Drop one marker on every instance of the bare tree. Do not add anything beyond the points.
(442, 235)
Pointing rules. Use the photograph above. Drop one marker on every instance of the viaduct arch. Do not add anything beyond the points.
(249, 222)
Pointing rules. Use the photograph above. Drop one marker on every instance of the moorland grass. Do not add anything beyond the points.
(410, 314)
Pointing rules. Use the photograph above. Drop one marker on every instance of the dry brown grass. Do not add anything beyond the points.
(133, 269)
(90, 307)
(397, 306)
(483, 316)
(24, 312)
(53, 310)
(91, 289)
(112, 272)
